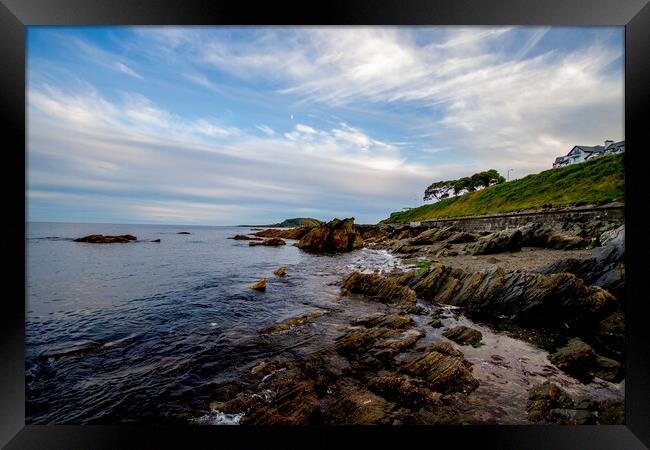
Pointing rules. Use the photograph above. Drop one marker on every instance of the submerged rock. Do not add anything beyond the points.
(333, 237)
(464, 335)
(295, 321)
(183, 232)
(156, 240)
(260, 285)
(101, 239)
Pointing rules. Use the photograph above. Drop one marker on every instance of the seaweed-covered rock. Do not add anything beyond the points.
(333, 237)
(464, 336)
(272, 242)
(101, 239)
(386, 290)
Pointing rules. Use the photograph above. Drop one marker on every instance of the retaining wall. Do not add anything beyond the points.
(614, 215)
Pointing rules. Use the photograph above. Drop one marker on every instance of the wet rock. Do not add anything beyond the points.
(386, 290)
(260, 285)
(280, 271)
(464, 336)
(101, 239)
(548, 403)
(183, 232)
(436, 323)
(443, 369)
(295, 321)
(404, 390)
(354, 405)
(272, 242)
(611, 235)
(241, 237)
(391, 321)
(333, 237)
(156, 240)
(506, 240)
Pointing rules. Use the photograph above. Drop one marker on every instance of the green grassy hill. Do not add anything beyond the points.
(297, 222)
(601, 180)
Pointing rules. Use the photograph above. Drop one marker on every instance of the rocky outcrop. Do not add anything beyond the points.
(548, 403)
(502, 241)
(372, 233)
(272, 242)
(560, 301)
(579, 360)
(292, 233)
(606, 268)
(241, 237)
(101, 239)
(464, 336)
(293, 322)
(333, 237)
(383, 289)
(443, 369)
(260, 285)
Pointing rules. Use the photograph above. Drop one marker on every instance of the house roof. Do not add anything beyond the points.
(616, 145)
(590, 149)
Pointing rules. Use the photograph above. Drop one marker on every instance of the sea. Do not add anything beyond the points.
(144, 331)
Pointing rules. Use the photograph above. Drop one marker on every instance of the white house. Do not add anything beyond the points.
(581, 153)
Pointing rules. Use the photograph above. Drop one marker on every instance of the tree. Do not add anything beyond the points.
(480, 180)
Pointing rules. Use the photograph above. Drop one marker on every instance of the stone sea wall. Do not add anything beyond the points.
(614, 215)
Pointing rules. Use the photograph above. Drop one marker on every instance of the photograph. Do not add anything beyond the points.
(325, 225)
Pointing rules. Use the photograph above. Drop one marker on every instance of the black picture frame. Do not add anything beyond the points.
(15, 15)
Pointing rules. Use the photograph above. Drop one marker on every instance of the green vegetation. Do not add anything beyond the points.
(297, 222)
(598, 181)
(442, 189)
(423, 264)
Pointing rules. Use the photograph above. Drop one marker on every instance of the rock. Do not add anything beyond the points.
(606, 268)
(391, 321)
(260, 285)
(272, 242)
(371, 233)
(386, 290)
(101, 239)
(548, 403)
(291, 233)
(241, 237)
(183, 232)
(492, 260)
(576, 359)
(436, 323)
(156, 240)
(295, 321)
(443, 369)
(610, 235)
(333, 237)
(579, 360)
(280, 271)
(559, 301)
(566, 242)
(404, 390)
(464, 335)
(506, 240)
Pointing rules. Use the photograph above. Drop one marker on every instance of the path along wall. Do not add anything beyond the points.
(615, 215)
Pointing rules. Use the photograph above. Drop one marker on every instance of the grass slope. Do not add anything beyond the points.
(601, 180)
(297, 222)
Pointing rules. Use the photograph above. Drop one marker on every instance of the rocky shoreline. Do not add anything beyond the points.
(557, 292)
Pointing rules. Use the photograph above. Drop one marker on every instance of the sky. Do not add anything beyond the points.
(252, 125)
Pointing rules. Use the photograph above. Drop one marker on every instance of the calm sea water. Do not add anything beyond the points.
(144, 332)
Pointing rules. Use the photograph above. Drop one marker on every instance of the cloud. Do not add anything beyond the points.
(265, 129)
